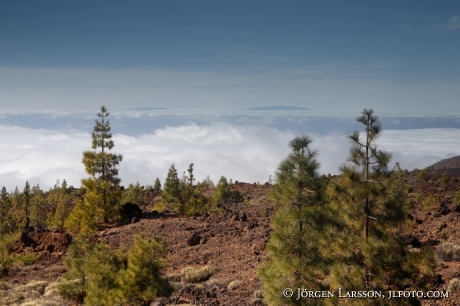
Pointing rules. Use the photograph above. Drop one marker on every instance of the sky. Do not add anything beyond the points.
(399, 56)
(206, 63)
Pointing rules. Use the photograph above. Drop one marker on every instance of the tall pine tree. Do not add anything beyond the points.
(5, 213)
(26, 196)
(37, 207)
(296, 256)
(101, 188)
(371, 203)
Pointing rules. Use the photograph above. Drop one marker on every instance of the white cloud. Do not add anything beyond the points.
(421, 147)
(247, 153)
(453, 23)
(242, 152)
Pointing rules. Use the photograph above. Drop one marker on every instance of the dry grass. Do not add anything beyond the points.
(448, 251)
(35, 293)
(454, 285)
(191, 275)
(234, 285)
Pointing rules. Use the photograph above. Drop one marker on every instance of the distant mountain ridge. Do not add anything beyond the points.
(449, 166)
(277, 108)
(449, 163)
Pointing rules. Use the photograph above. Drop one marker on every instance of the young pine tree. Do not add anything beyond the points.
(58, 199)
(171, 193)
(143, 279)
(222, 193)
(17, 213)
(102, 269)
(26, 196)
(102, 194)
(37, 207)
(157, 185)
(133, 194)
(193, 200)
(5, 213)
(297, 249)
(371, 203)
(75, 282)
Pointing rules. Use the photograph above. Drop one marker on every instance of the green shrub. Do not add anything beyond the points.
(444, 180)
(429, 202)
(100, 276)
(457, 198)
(423, 175)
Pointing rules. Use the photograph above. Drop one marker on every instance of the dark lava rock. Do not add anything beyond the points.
(194, 239)
(129, 211)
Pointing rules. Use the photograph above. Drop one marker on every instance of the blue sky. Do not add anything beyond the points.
(395, 56)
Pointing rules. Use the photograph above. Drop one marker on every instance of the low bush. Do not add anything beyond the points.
(448, 251)
(234, 285)
(454, 285)
(191, 275)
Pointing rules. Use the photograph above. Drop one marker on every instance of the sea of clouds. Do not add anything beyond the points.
(43, 146)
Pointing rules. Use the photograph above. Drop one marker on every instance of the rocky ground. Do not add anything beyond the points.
(231, 244)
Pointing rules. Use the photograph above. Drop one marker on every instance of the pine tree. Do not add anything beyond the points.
(223, 193)
(60, 214)
(76, 262)
(102, 194)
(26, 195)
(5, 213)
(371, 203)
(64, 186)
(133, 194)
(17, 213)
(170, 195)
(157, 185)
(102, 270)
(57, 199)
(207, 182)
(37, 207)
(192, 199)
(297, 256)
(143, 279)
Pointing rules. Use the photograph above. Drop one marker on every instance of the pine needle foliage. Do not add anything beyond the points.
(295, 250)
(370, 251)
(183, 195)
(223, 193)
(98, 275)
(76, 262)
(157, 185)
(6, 221)
(102, 193)
(58, 198)
(193, 200)
(171, 193)
(102, 269)
(143, 280)
(37, 207)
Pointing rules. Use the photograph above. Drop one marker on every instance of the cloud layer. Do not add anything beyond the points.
(247, 153)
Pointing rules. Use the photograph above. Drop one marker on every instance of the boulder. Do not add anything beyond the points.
(129, 210)
(194, 239)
